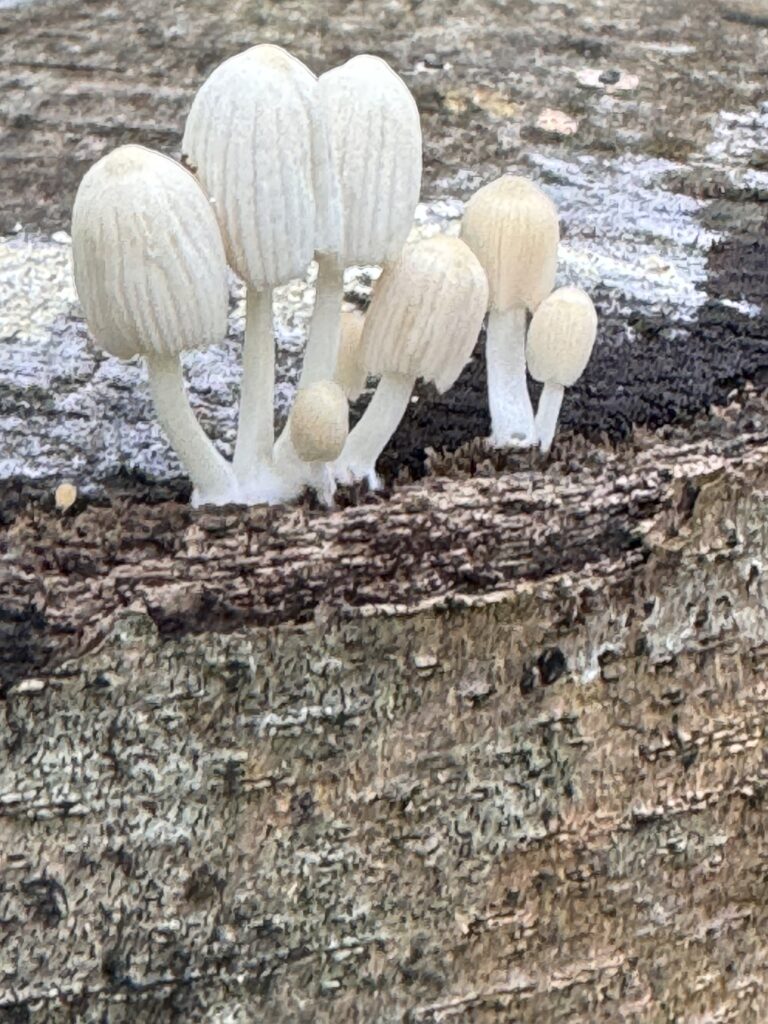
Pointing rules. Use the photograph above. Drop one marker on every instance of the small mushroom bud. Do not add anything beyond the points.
(512, 228)
(423, 321)
(152, 279)
(560, 341)
(65, 496)
(319, 425)
(319, 422)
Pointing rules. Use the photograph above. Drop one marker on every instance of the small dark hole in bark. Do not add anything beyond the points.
(552, 665)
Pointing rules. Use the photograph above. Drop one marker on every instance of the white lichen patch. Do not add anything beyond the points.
(36, 285)
(737, 137)
(628, 233)
(749, 309)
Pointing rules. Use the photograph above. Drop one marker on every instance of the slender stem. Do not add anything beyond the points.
(325, 328)
(255, 427)
(378, 423)
(209, 471)
(546, 415)
(508, 398)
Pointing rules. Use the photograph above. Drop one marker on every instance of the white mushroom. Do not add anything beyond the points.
(423, 321)
(255, 140)
(319, 422)
(560, 340)
(319, 426)
(372, 123)
(512, 228)
(151, 276)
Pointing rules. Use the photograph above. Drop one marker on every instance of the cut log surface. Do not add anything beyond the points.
(488, 747)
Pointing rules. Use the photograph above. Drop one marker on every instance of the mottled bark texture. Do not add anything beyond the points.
(488, 749)
(491, 749)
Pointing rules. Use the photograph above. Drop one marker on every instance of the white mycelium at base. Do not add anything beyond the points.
(211, 474)
(378, 423)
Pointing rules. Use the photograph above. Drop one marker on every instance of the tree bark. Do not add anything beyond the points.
(489, 749)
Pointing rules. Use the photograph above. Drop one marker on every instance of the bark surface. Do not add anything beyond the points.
(488, 748)
(491, 749)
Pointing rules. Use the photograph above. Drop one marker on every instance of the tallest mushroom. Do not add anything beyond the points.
(374, 132)
(255, 140)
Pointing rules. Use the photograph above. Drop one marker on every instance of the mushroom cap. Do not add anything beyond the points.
(319, 422)
(255, 140)
(350, 372)
(561, 336)
(426, 312)
(148, 257)
(375, 135)
(65, 496)
(512, 228)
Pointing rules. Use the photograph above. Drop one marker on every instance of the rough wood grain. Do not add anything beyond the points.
(489, 748)
(503, 767)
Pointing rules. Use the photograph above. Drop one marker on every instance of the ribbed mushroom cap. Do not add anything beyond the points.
(254, 139)
(148, 256)
(561, 336)
(375, 136)
(426, 312)
(512, 228)
(350, 373)
(319, 422)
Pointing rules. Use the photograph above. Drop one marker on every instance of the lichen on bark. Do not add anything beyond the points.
(265, 768)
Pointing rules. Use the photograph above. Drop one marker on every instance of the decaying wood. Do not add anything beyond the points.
(489, 749)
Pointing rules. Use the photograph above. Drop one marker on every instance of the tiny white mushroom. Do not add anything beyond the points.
(319, 426)
(319, 422)
(152, 279)
(374, 132)
(512, 228)
(65, 496)
(560, 340)
(423, 321)
(254, 138)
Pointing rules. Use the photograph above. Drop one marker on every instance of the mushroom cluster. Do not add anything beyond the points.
(280, 168)
(513, 229)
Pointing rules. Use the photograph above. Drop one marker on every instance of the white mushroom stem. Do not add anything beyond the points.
(255, 427)
(325, 329)
(209, 471)
(547, 414)
(323, 481)
(376, 426)
(508, 398)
